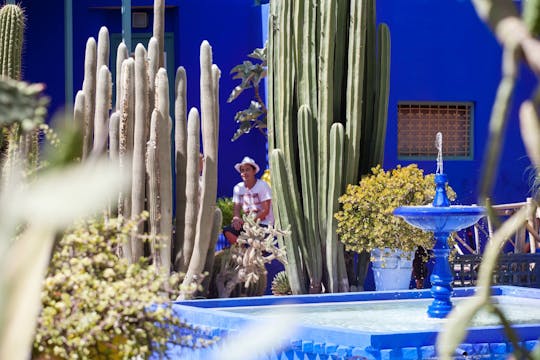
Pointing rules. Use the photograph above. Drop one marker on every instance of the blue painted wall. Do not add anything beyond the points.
(441, 51)
(232, 27)
(43, 48)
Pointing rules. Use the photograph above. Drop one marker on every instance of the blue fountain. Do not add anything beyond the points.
(441, 218)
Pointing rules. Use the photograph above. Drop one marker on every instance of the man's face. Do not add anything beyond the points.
(247, 172)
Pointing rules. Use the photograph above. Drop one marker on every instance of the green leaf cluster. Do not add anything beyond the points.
(97, 305)
(226, 205)
(366, 219)
(251, 74)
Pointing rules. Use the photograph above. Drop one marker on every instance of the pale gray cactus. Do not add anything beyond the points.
(103, 105)
(138, 188)
(89, 91)
(191, 191)
(210, 126)
(180, 158)
(122, 54)
(144, 148)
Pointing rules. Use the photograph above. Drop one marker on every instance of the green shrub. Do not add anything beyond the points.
(226, 205)
(97, 305)
(366, 220)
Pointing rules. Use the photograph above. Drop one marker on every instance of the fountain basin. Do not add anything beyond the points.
(486, 340)
(441, 219)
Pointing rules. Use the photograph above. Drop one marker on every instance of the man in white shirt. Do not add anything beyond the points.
(251, 196)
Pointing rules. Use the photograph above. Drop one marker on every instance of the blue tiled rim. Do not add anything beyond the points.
(345, 342)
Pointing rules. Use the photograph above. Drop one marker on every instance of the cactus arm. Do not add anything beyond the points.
(306, 59)
(162, 93)
(114, 126)
(272, 90)
(138, 184)
(78, 112)
(153, 66)
(383, 92)
(369, 90)
(340, 58)
(281, 191)
(114, 140)
(153, 173)
(11, 39)
(335, 169)
(216, 75)
(159, 29)
(121, 55)
(103, 105)
(210, 255)
(89, 89)
(125, 148)
(355, 88)
(103, 48)
(306, 141)
(191, 189)
(209, 189)
(165, 179)
(180, 151)
(325, 99)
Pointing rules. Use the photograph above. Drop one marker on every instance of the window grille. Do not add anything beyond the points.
(418, 124)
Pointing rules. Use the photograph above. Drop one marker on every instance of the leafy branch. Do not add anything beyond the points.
(251, 74)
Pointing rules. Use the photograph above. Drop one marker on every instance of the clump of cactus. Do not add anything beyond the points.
(138, 133)
(280, 284)
(255, 247)
(328, 76)
(23, 106)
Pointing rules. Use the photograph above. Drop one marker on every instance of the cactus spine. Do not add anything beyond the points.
(309, 67)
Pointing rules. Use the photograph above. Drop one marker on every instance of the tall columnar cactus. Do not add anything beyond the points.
(210, 126)
(142, 146)
(328, 99)
(159, 172)
(138, 180)
(22, 145)
(11, 40)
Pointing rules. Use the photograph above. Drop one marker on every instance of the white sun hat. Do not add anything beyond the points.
(247, 161)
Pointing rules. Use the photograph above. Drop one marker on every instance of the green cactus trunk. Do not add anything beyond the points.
(328, 99)
(11, 40)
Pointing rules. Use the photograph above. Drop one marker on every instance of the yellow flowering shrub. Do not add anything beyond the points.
(366, 219)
